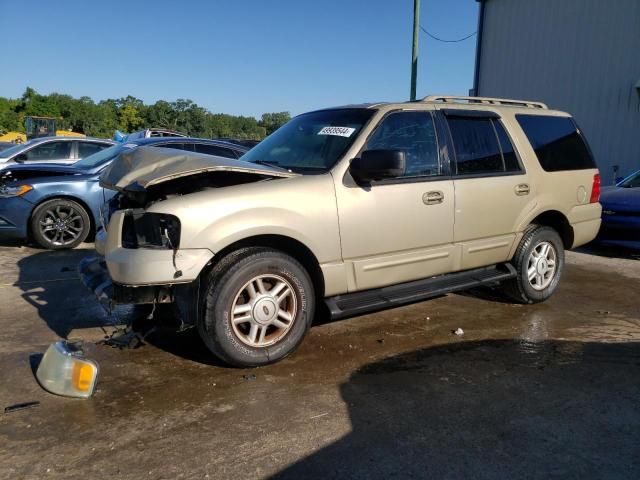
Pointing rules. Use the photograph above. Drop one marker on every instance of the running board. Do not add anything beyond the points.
(358, 303)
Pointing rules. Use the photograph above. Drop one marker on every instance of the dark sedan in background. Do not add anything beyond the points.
(621, 213)
(58, 206)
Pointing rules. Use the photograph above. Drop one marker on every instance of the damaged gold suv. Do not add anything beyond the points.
(359, 207)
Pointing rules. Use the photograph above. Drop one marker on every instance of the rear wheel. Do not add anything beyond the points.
(258, 306)
(539, 261)
(60, 223)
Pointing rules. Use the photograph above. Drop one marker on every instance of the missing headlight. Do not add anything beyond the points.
(150, 230)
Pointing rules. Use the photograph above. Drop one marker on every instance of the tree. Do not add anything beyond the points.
(273, 121)
(9, 117)
(129, 114)
(129, 118)
(161, 114)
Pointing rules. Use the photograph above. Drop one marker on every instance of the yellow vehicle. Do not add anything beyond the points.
(36, 127)
(69, 133)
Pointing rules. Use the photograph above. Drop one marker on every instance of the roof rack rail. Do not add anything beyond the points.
(485, 101)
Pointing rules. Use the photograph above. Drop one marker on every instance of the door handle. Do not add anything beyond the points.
(432, 198)
(522, 189)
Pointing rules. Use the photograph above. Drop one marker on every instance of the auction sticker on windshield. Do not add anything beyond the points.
(339, 131)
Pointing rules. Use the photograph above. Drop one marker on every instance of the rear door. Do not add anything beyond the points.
(493, 192)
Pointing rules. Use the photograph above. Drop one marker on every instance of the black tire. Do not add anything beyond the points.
(226, 285)
(521, 288)
(71, 217)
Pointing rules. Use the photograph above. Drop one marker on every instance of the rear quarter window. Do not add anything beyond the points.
(557, 142)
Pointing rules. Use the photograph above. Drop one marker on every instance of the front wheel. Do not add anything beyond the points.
(539, 261)
(258, 306)
(60, 223)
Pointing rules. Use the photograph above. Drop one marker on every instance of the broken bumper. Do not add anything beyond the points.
(94, 274)
(147, 266)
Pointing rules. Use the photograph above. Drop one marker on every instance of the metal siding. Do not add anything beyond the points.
(580, 56)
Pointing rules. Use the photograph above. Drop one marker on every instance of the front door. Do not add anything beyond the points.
(401, 229)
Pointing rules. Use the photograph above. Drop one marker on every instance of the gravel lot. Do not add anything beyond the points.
(543, 391)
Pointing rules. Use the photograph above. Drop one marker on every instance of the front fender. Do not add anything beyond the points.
(302, 208)
(265, 221)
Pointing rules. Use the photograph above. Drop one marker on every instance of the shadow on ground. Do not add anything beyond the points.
(49, 282)
(609, 251)
(490, 409)
(5, 242)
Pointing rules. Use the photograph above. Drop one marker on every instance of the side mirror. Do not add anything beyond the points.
(377, 165)
(20, 158)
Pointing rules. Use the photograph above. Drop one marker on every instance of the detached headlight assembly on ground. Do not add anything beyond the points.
(64, 370)
(150, 230)
(14, 191)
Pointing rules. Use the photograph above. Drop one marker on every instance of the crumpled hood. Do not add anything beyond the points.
(142, 167)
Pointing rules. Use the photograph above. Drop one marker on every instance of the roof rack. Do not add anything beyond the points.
(485, 101)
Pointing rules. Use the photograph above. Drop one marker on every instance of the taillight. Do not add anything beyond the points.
(595, 189)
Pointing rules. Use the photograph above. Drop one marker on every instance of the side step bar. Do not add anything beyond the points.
(358, 303)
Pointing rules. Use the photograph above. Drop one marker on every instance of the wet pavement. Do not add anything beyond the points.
(543, 391)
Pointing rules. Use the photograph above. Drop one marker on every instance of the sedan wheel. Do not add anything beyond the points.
(60, 223)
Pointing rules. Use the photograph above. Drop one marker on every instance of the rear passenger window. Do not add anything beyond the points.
(176, 146)
(557, 142)
(215, 150)
(89, 148)
(481, 146)
(414, 134)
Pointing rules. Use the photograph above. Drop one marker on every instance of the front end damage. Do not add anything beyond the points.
(184, 297)
(143, 257)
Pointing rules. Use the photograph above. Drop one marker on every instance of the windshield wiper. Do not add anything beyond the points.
(273, 164)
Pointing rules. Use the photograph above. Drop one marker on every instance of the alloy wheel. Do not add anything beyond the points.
(541, 266)
(61, 225)
(263, 311)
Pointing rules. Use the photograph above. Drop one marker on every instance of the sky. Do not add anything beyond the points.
(242, 57)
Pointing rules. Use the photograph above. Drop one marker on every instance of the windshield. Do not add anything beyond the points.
(632, 181)
(15, 149)
(312, 142)
(102, 157)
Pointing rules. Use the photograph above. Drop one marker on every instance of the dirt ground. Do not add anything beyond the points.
(543, 391)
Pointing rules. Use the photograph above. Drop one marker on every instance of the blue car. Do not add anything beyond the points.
(621, 213)
(58, 206)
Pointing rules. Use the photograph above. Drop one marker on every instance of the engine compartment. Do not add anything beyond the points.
(133, 197)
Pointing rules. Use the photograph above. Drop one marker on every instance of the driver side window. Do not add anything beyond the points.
(414, 134)
(50, 151)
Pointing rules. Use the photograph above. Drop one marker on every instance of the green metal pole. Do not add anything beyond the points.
(414, 49)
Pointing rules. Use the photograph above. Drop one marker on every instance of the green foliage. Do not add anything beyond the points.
(273, 121)
(129, 114)
(10, 119)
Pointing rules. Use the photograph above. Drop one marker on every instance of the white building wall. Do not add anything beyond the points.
(580, 56)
